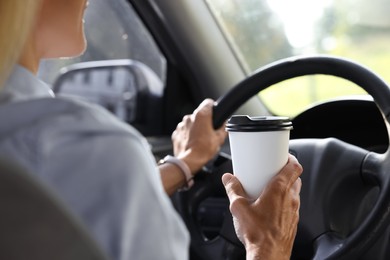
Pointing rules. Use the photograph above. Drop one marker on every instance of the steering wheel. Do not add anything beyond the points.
(337, 177)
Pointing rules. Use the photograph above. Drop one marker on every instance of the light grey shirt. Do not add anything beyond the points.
(100, 167)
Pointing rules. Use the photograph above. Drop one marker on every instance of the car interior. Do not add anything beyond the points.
(152, 62)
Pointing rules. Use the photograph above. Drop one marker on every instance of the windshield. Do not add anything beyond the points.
(262, 31)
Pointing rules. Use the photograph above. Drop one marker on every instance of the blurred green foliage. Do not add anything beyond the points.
(355, 29)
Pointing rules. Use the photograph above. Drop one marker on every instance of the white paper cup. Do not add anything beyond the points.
(259, 149)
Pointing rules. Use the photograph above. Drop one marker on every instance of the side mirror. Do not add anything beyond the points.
(127, 88)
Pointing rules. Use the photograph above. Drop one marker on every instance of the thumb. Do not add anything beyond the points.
(232, 186)
(205, 106)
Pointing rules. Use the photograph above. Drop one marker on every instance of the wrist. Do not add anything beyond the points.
(183, 167)
(193, 161)
(262, 252)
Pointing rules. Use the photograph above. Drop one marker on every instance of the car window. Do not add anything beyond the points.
(113, 31)
(263, 31)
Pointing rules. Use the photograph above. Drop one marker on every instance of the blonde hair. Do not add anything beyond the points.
(16, 19)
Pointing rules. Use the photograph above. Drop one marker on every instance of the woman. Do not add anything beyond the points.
(102, 168)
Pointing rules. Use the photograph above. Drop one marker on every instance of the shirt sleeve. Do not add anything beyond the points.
(110, 180)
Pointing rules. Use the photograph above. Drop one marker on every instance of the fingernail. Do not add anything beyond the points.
(226, 178)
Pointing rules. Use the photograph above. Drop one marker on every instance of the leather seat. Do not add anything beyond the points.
(34, 224)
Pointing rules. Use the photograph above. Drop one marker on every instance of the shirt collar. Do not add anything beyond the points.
(23, 85)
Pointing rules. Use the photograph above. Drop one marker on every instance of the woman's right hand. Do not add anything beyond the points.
(195, 141)
(268, 225)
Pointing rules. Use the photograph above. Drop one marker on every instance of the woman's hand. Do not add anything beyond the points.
(195, 141)
(267, 226)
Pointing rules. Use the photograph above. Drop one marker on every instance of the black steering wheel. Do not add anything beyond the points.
(338, 177)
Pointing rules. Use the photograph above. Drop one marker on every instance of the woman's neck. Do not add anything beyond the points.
(29, 57)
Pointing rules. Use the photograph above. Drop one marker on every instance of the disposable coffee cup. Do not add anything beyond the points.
(259, 149)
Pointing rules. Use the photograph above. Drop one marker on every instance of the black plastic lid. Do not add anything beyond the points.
(240, 123)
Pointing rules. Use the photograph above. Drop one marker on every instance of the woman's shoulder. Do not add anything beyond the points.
(61, 114)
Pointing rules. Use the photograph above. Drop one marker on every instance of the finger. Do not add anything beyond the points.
(221, 128)
(296, 188)
(221, 134)
(290, 172)
(187, 120)
(233, 186)
(174, 134)
(221, 137)
(235, 193)
(230, 183)
(213, 103)
(295, 197)
(205, 106)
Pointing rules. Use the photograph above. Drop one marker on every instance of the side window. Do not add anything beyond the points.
(113, 31)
